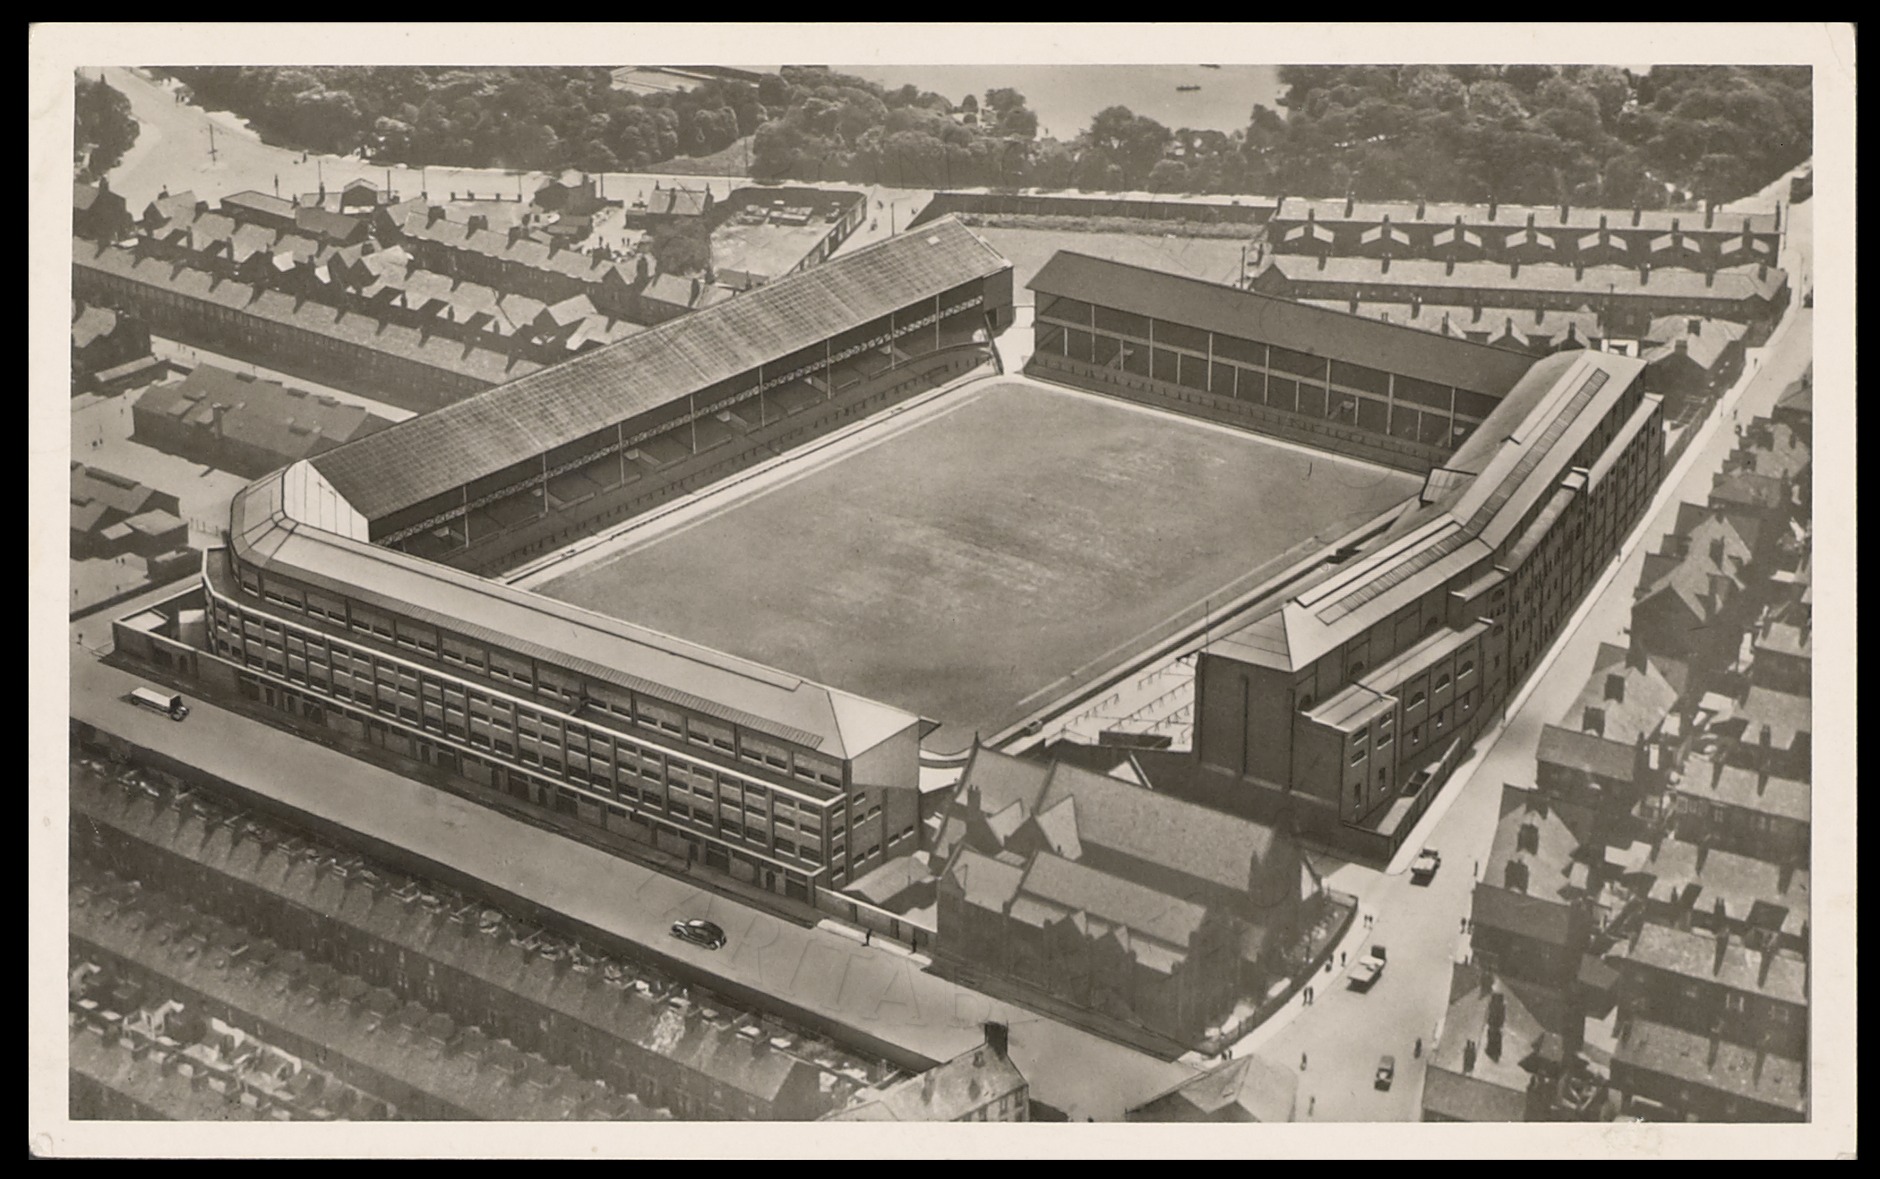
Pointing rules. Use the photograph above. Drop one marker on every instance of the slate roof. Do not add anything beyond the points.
(1673, 1052)
(1736, 284)
(1250, 1089)
(364, 331)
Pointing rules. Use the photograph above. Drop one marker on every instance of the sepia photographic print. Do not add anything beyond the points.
(997, 574)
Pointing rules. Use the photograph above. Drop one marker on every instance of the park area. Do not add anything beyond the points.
(975, 566)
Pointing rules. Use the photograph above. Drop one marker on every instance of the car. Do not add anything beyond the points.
(1386, 1072)
(699, 933)
(1369, 969)
(1423, 868)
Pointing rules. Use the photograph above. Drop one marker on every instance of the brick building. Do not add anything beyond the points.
(1114, 898)
(236, 422)
(1250, 1089)
(1500, 233)
(982, 1085)
(1344, 706)
(1627, 297)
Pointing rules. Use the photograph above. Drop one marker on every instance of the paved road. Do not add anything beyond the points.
(1344, 1033)
(817, 970)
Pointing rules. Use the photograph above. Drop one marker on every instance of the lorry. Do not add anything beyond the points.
(168, 703)
(1369, 968)
(1423, 869)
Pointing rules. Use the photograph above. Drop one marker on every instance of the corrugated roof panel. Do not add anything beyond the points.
(438, 452)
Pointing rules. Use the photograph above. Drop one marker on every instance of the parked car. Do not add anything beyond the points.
(699, 933)
(1368, 969)
(1386, 1072)
(1423, 868)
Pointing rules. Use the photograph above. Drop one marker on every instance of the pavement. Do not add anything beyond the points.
(824, 975)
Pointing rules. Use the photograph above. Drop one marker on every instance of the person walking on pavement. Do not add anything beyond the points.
(1312, 1104)
(1418, 1053)
(1302, 1062)
(1341, 959)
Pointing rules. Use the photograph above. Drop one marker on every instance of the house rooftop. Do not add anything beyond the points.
(1653, 1047)
(1781, 975)
(1250, 1089)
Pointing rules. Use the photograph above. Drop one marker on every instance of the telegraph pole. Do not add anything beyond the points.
(212, 152)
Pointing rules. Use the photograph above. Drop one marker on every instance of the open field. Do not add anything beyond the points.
(1025, 538)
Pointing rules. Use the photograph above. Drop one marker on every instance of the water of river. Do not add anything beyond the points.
(1066, 97)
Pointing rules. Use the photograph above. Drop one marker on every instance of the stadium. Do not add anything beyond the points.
(749, 680)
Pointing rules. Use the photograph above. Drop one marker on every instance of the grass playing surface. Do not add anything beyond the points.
(964, 567)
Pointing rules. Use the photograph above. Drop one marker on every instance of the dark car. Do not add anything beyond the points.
(1386, 1072)
(699, 933)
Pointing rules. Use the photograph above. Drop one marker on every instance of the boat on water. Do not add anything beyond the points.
(1185, 89)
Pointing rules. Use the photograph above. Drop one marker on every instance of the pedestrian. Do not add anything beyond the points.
(1302, 1062)
(1418, 1053)
(1341, 959)
(866, 934)
(1465, 926)
(1312, 1104)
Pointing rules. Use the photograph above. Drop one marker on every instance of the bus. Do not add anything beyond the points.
(168, 703)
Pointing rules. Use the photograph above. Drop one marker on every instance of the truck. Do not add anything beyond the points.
(1423, 869)
(168, 703)
(1369, 968)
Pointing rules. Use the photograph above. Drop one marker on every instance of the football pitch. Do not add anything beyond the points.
(977, 564)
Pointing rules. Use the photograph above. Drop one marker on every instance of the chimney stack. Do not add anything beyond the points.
(1449, 267)
(1674, 229)
(1579, 271)
(1697, 327)
(1351, 203)
(1421, 206)
(1530, 220)
(1493, 205)
(1564, 211)
(1723, 945)
(1637, 213)
(998, 1039)
(1385, 269)
(1514, 269)
(1354, 304)
(1416, 305)
(1602, 226)
(1644, 274)
(1468, 1058)
(1710, 214)
(1475, 313)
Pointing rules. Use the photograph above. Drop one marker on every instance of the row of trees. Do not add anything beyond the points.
(524, 118)
(1537, 134)
(104, 128)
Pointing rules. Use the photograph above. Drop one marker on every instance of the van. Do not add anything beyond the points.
(165, 702)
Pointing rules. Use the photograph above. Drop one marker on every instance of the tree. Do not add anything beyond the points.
(680, 248)
(103, 127)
